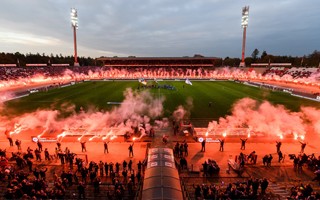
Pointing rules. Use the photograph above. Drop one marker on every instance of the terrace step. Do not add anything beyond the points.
(276, 189)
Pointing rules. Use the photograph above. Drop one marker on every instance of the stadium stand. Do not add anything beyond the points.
(128, 69)
(18, 181)
(303, 72)
(279, 71)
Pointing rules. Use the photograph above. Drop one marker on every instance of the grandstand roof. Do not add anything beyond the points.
(158, 61)
(157, 58)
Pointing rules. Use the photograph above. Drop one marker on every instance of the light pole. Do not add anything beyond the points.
(244, 24)
(74, 24)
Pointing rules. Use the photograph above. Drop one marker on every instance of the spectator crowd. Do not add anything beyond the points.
(25, 180)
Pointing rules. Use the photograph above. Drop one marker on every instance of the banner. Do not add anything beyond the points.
(188, 82)
(43, 139)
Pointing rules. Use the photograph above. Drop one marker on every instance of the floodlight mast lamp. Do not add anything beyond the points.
(74, 24)
(244, 24)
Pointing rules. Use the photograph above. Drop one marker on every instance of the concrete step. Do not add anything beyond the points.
(278, 190)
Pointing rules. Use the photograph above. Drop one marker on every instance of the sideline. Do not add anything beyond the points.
(249, 83)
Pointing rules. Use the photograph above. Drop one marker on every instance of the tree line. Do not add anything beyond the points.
(311, 60)
(29, 58)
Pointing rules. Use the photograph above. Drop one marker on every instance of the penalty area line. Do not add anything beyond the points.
(117, 103)
(113, 103)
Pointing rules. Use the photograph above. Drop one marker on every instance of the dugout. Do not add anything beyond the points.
(161, 179)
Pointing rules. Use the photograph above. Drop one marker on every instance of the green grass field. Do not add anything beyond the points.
(222, 94)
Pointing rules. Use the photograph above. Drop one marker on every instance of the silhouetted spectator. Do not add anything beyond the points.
(203, 145)
(105, 145)
(81, 191)
(10, 141)
(303, 146)
(278, 145)
(18, 143)
(83, 146)
(221, 144)
(243, 143)
(131, 150)
(280, 155)
(39, 145)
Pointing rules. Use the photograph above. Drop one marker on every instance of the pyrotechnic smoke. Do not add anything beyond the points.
(136, 110)
(46, 119)
(164, 123)
(183, 112)
(312, 115)
(161, 73)
(179, 113)
(141, 108)
(267, 118)
(5, 96)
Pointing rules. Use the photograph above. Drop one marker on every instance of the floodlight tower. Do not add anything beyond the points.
(244, 24)
(74, 24)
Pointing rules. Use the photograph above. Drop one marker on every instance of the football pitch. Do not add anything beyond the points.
(97, 94)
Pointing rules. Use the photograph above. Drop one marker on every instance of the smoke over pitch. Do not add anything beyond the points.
(183, 112)
(268, 119)
(143, 108)
(136, 108)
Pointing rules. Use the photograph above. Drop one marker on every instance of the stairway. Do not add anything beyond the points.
(157, 140)
(278, 190)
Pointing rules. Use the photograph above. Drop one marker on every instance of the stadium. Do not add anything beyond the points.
(159, 127)
(170, 82)
(126, 98)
